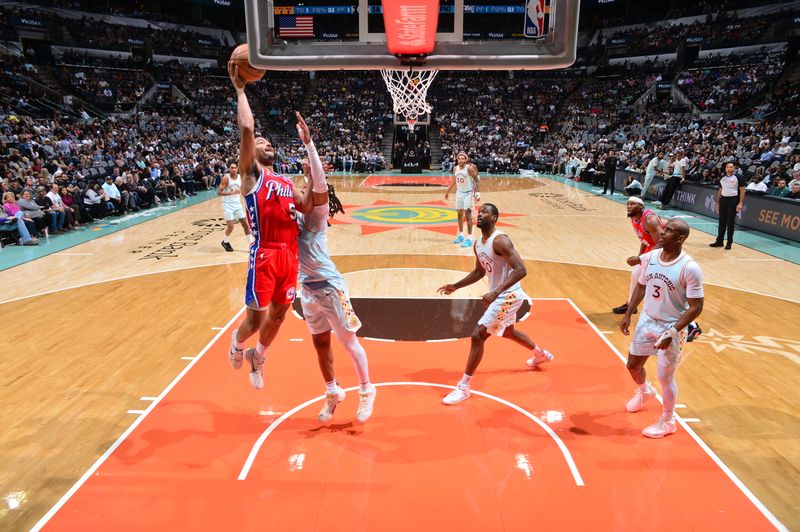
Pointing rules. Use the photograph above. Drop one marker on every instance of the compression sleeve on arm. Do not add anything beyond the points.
(317, 220)
(318, 182)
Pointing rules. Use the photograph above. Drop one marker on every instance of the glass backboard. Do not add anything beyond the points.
(471, 35)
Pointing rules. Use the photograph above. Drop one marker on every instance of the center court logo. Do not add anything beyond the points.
(405, 215)
(437, 216)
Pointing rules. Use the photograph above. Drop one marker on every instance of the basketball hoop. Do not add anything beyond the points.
(409, 90)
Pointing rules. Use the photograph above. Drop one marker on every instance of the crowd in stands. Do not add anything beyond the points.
(726, 88)
(487, 128)
(766, 152)
(78, 172)
(716, 31)
(350, 112)
(87, 32)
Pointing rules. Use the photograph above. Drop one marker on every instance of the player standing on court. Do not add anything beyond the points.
(648, 226)
(466, 181)
(671, 284)
(230, 189)
(326, 304)
(494, 255)
(272, 205)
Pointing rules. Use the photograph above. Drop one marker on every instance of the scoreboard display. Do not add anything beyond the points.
(482, 19)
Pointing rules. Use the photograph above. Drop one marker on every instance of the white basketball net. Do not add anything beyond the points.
(409, 90)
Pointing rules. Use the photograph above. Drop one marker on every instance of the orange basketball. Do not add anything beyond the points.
(247, 72)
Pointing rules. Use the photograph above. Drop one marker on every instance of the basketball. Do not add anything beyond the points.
(247, 72)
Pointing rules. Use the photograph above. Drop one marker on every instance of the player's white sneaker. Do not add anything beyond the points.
(639, 399)
(235, 355)
(663, 427)
(460, 393)
(256, 362)
(544, 356)
(330, 404)
(366, 400)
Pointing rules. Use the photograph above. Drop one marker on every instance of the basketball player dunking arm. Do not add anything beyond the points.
(466, 181)
(326, 304)
(494, 255)
(272, 205)
(671, 285)
(230, 189)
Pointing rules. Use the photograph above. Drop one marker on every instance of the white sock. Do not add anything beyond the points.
(364, 387)
(260, 348)
(236, 343)
(330, 387)
(464, 382)
(251, 238)
(645, 387)
(225, 239)
(359, 356)
(669, 388)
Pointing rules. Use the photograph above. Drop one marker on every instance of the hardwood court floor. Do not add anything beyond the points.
(76, 360)
(531, 446)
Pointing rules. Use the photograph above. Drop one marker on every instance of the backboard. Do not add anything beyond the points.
(470, 35)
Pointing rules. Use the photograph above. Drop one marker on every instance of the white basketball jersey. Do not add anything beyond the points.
(669, 285)
(463, 179)
(233, 184)
(497, 269)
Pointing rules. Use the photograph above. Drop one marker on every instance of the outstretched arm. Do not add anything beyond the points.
(473, 277)
(247, 143)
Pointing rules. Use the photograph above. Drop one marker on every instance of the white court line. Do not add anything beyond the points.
(187, 358)
(378, 339)
(691, 419)
(216, 328)
(442, 340)
(680, 405)
(717, 460)
(606, 332)
(274, 425)
(148, 398)
(136, 411)
(295, 339)
(81, 481)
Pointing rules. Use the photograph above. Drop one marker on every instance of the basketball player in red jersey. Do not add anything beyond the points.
(272, 205)
(648, 227)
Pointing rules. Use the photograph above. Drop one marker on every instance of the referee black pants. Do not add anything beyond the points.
(727, 217)
(673, 183)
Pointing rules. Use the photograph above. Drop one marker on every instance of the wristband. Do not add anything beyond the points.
(672, 333)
